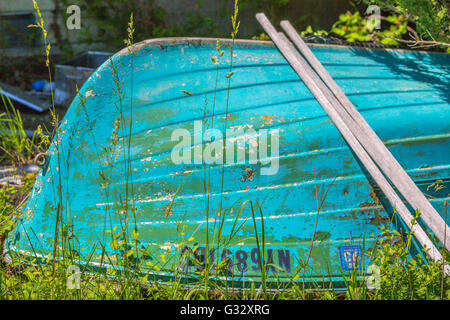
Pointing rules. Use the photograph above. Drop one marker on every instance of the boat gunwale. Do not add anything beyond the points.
(197, 41)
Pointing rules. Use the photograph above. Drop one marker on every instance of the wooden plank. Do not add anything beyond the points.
(373, 144)
(302, 69)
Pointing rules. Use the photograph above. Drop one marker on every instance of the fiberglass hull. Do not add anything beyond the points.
(94, 166)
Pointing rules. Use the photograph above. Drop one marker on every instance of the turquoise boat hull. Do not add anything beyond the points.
(307, 212)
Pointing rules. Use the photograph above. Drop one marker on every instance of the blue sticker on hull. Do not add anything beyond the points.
(350, 257)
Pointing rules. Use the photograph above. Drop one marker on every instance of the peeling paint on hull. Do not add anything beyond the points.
(403, 95)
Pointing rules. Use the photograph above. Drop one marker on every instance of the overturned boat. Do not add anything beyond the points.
(207, 154)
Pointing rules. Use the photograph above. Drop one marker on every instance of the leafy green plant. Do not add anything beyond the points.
(309, 31)
(430, 18)
(11, 199)
(262, 36)
(408, 277)
(353, 27)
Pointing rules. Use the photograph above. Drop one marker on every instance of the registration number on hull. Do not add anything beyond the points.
(241, 261)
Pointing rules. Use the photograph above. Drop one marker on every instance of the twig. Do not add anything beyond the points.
(319, 206)
(420, 43)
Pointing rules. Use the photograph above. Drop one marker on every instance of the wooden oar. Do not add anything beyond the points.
(373, 144)
(307, 75)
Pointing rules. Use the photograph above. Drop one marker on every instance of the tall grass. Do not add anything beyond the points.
(15, 146)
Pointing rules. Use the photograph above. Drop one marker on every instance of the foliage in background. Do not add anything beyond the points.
(430, 17)
(10, 36)
(354, 27)
(262, 37)
(111, 18)
(273, 8)
(309, 30)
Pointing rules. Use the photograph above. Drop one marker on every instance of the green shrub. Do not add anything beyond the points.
(353, 28)
(430, 18)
